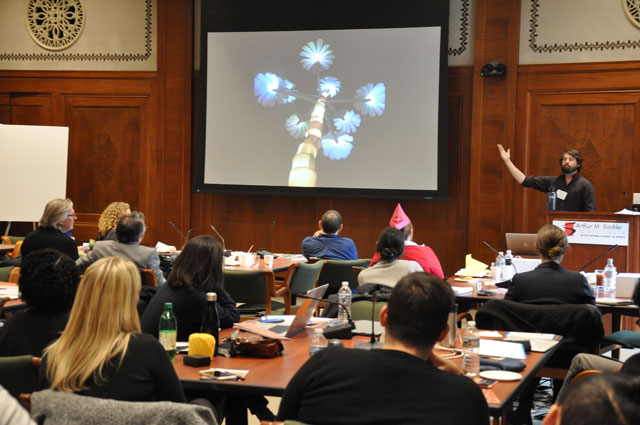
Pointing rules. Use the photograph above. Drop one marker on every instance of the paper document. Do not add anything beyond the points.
(363, 327)
(13, 292)
(472, 267)
(495, 348)
(529, 335)
(460, 290)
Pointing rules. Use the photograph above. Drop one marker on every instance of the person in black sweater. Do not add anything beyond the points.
(197, 270)
(101, 352)
(48, 283)
(57, 219)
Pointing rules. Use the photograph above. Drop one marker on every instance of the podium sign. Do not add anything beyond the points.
(595, 232)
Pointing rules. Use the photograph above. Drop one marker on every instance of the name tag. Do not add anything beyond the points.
(561, 194)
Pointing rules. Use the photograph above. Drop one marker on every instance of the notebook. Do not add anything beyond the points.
(521, 243)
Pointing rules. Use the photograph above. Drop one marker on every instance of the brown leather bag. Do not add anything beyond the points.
(250, 344)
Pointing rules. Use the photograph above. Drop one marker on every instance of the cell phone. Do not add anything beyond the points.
(484, 293)
(220, 375)
(486, 383)
(268, 319)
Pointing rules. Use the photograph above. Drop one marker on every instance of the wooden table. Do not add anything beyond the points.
(4, 247)
(271, 376)
(280, 264)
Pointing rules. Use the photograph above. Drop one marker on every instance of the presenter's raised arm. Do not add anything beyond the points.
(506, 157)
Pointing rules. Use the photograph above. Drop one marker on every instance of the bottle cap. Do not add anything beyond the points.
(212, 296)
(471, 324)
(168, 306)
(345, 283)
(318, 331)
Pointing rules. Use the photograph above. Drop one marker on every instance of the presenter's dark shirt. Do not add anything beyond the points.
(329, 247)
(580, 195)
(48, 237)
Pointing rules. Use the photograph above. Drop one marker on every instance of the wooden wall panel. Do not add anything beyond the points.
(31, 108)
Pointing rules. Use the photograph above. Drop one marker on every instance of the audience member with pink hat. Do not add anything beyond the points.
(422, 254)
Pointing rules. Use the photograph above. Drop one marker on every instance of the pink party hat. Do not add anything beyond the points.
(399, 219)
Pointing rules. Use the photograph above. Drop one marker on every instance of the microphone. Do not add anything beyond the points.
(630, 201)
(226, 252)
(261, 252)
(184, 238)
(341, 330)
(373, 343)
(490, 247)
(598, 257)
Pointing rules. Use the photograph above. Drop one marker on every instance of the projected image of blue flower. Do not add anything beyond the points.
(348, 123)
(337, 148)
(329, 86)
(327, 128)
(295, 127)
(371, 99)
(316, 56)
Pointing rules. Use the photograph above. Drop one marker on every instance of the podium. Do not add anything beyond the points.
(625, 258)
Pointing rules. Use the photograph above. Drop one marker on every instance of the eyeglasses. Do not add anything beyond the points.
(73, 216)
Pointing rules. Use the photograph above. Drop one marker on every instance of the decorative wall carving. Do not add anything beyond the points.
(55, 24)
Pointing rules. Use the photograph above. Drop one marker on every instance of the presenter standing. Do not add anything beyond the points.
(572, 192)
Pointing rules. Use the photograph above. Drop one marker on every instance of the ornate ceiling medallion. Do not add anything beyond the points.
(55, 24)
(632, 8)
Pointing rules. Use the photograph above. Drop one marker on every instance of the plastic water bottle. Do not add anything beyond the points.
(507, 271)
(471, 347)
(500, 264)
(210, 319)
(168, 330)
(610, 274)
(344, 298)
(318, 342)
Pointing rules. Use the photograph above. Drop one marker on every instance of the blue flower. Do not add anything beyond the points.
(271, 89)
(339, 148)
(349, 122)
(329, 86)
(316, 56)
(295, 127)
(370, 99)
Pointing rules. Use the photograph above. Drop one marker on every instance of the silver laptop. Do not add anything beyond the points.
(303, 315)
(521, 243)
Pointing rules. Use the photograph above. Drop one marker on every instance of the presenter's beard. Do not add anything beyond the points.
(567, 169)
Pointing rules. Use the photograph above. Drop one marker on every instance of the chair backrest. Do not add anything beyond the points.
(19, 374)
(14, 276)
(54, 407)
(13, 240)
(149, 278)
(5, 272)
(305, 277)
(361, 310)
(335, 272)
(251, 287)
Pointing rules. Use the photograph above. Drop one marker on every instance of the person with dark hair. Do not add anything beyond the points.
(584, 361)
(605, 398)
(129, 232)
(196, 271)
(57, 219)
(390, 268)
(326, 243)
(407, 382)
(573, 192)
(48, 282)
(421, 254)
(550, 283)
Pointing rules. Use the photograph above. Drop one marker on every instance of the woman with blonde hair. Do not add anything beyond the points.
(57, 219)
(101, 352)
(550, 283)
(109, 220)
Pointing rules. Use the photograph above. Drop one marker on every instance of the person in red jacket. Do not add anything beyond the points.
(422, 254)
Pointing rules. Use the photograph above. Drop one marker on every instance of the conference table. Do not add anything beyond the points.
(4, 247)
(280, 264)
(269, 377)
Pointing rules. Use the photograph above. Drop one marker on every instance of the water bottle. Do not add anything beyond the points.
(471, 347)
(210, 319)
(507, 271)
(609, 276)
(500, 266)
(344, 298)
(168, 330)
(318, 342)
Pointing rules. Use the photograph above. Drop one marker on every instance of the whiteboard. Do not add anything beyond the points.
(33, 169)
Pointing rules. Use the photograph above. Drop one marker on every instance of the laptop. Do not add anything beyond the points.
(299, 322)
(521, 243)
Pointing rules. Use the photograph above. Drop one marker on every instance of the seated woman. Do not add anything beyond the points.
(48, 283)
(101, 352)
(196, 271)
(109, 220)
(422, 254)
(390, 269)
(550, 283)
(57, 219)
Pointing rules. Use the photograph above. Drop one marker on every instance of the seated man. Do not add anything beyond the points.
(326, 244)
(130, 232)
(584, 361)
(598, 399)
(400, 383)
